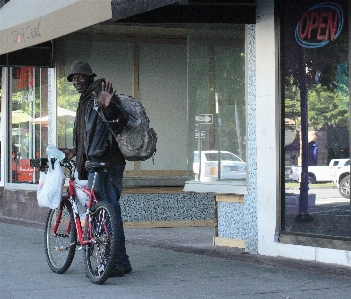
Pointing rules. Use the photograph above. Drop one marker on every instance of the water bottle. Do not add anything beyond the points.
(52, 151)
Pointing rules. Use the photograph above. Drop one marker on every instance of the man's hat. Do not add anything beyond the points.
(80, 67)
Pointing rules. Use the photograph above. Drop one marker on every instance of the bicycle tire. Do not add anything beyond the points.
(100, 255)
(60, 248)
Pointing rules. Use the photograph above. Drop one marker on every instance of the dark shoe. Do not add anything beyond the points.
(128, 270)
(116, 272)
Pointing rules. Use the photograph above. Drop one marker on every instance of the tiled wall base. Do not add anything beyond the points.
(149, 210)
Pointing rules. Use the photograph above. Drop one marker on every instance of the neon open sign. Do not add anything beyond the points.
(319, 25)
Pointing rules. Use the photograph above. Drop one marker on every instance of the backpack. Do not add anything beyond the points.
(137, 141)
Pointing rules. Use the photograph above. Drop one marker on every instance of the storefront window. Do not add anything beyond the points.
(67, 103)
(95, 53)
(28, 132)
(217, 104)
(315, 94)
(149, 65)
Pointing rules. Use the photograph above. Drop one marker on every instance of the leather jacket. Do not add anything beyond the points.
(92, 137)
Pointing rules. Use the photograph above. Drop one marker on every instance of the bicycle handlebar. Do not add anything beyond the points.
(42, 163)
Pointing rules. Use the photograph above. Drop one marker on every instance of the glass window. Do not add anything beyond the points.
(217, 103)
(28, 134)
(147, 64)
(118, 71)
(162, 85)
(315, 96)
(67, 103)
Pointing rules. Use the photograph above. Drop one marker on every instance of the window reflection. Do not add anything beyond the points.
(67, 100)
(316, 111)
(217, 103)
(29, 97)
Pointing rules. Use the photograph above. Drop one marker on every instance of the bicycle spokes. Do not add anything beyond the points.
(60, 238)
(101, 251)
(101, 239)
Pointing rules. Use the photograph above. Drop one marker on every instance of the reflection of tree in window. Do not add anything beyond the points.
(67, 98)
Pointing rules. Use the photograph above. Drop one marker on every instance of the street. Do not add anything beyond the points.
(326, 197)
(167, 263)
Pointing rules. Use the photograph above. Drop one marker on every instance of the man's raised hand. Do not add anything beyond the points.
(104, 97)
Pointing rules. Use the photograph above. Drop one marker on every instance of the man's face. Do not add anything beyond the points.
(81, 82)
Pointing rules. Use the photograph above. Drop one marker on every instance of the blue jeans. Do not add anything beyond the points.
(108, 186)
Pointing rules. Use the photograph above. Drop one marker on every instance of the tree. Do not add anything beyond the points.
(67, 97)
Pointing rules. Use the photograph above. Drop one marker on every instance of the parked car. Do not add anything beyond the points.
(318, 174)
(342, 180)
(232, 167)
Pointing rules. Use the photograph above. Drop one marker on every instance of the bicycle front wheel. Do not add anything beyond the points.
(60, 238)
(100, 255)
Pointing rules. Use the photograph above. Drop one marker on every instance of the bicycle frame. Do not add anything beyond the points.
(42, 163)
(71, 196)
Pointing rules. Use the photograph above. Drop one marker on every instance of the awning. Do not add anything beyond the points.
(27, 23)
(33, 25)
(18, 116)
(184, 11)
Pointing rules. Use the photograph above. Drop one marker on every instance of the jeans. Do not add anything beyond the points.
(108, 186)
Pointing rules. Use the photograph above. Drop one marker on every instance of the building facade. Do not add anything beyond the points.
(237, 91)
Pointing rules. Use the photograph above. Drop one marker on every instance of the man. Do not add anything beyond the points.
(94, 143)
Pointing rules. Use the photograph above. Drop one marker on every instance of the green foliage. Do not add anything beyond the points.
(327, 108)
(67, 97)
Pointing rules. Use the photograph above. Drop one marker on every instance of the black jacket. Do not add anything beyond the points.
(92, 137)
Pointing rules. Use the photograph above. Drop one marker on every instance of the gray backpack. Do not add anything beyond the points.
(137, 141)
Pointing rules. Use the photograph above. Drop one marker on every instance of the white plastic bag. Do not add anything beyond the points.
(52, 151)
(82, 198)
(50, 186)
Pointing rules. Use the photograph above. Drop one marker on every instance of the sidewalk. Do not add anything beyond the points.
(167, 263)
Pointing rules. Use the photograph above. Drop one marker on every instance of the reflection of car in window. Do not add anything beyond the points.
(232, 167)
(342, 179)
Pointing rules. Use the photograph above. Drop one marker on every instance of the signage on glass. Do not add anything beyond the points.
(319, 25)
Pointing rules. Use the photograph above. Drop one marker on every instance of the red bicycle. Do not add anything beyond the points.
(97, 235)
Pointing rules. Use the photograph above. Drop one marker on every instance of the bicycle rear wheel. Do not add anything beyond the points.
(60, 247)
(100, 255)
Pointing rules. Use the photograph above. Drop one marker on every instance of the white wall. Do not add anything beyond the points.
(266, 127)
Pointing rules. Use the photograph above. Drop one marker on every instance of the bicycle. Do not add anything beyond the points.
(64, 230)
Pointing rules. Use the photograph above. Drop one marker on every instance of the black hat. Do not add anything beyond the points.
(80, 67)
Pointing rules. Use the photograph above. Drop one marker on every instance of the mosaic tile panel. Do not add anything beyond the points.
(250, 216)
(51, 101)
(239, 220)
(231, 220)
(167, 207)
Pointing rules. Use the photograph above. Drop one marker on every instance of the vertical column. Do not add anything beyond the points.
(250, 218)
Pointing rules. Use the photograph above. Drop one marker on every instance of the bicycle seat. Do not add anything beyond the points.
(97, 164)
